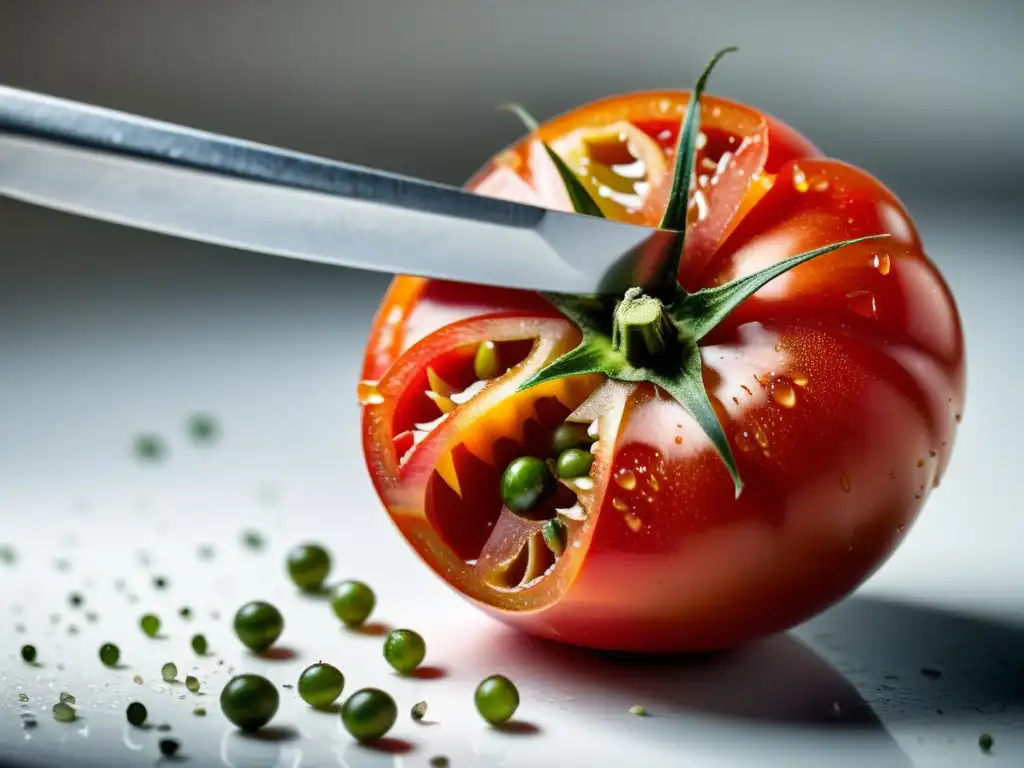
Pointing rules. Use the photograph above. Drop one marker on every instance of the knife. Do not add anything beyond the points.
(184, 182)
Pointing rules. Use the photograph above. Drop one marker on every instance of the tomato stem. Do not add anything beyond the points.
(642, 328)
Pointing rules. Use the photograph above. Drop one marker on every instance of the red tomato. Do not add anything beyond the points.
(839, 385)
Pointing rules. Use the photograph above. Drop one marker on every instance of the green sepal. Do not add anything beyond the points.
(579, 196)
(699, 313)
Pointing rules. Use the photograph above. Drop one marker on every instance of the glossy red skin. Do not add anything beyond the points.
(873, 355)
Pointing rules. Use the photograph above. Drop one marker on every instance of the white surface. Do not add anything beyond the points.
(272, 349)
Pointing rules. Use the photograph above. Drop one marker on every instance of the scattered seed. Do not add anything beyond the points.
(137, 680)
(985, 742)
(149, 447)
(75, 599)
(931, 674)
(439, 761)
(64, 713)
(192, 683)
(163, 728)
(205, 552)
(136, 713)
(150, 624)
(169, 747)
(203, 428)
(254, 540)
(199, 711)
(185, 612)
(28, 653)
(160, 582)
(109, 654)
(419, 711)
(28, 720)
(169, 672)
(199, 644)
(67, 698)
(639, 710)
(23, 698)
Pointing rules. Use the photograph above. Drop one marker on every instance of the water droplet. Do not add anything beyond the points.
(844, 482)
(800, 180)
(626, 479)
(368, 393)
(679, 440)
(881, 263)
(619, 504)
(653, 482)
(634, 522)
(783, 393)
(863, 303)
(799, 379)
(742, 440)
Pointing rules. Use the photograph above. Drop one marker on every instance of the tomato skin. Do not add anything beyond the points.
(839, 385)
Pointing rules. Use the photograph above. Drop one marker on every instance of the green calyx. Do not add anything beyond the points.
(654, 338)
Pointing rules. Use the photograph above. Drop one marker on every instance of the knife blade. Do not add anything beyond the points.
(188, 183)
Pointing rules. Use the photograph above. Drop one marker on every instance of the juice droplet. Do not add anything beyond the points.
(626, 479)
(619, 504)
(742, 440)
(761, 438)
(799, 180)
(882, 263)
(679, 440)
(783, 393)
(820, 185)
(799, 379)
(863, 303)
(368, 393)
(634, 522)
(653, 482)
(844, 482)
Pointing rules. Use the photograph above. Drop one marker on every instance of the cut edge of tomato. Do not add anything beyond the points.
(444, 496)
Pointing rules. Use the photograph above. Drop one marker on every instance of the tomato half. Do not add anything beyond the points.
(839, 385)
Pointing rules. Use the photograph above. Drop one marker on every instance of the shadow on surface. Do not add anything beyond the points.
(921, 663)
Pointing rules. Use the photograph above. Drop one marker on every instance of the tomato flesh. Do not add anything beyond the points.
(839, 384)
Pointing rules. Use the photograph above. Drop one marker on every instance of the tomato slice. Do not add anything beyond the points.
(441, 484)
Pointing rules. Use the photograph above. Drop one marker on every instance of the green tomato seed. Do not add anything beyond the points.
(160, 582)
(308, 566)
(253, 539)
(199, 644)
(110, 654)
(64, 713)
(169, 672)
(258, 625)
(353, 602)
(169, 747)
(192, 684)
(67, 698)
(575, 462)
(75, 600)
(203, 428)
(149, 447)
(28, 653)
(555, 534)
(985, 742)
(418, 711)
(249, 701)
(525, 484)
(486, 362)
(404, 650)
(369, 714)
(136, 713)
(185, 612)
(496, 699)
(571, 434)
(320, 685)
(150, 624)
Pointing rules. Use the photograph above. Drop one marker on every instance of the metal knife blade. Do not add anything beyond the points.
(179, 181)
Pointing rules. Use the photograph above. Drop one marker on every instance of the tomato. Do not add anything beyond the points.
(839, 385)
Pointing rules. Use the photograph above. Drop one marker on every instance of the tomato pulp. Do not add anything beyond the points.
(839, 385)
